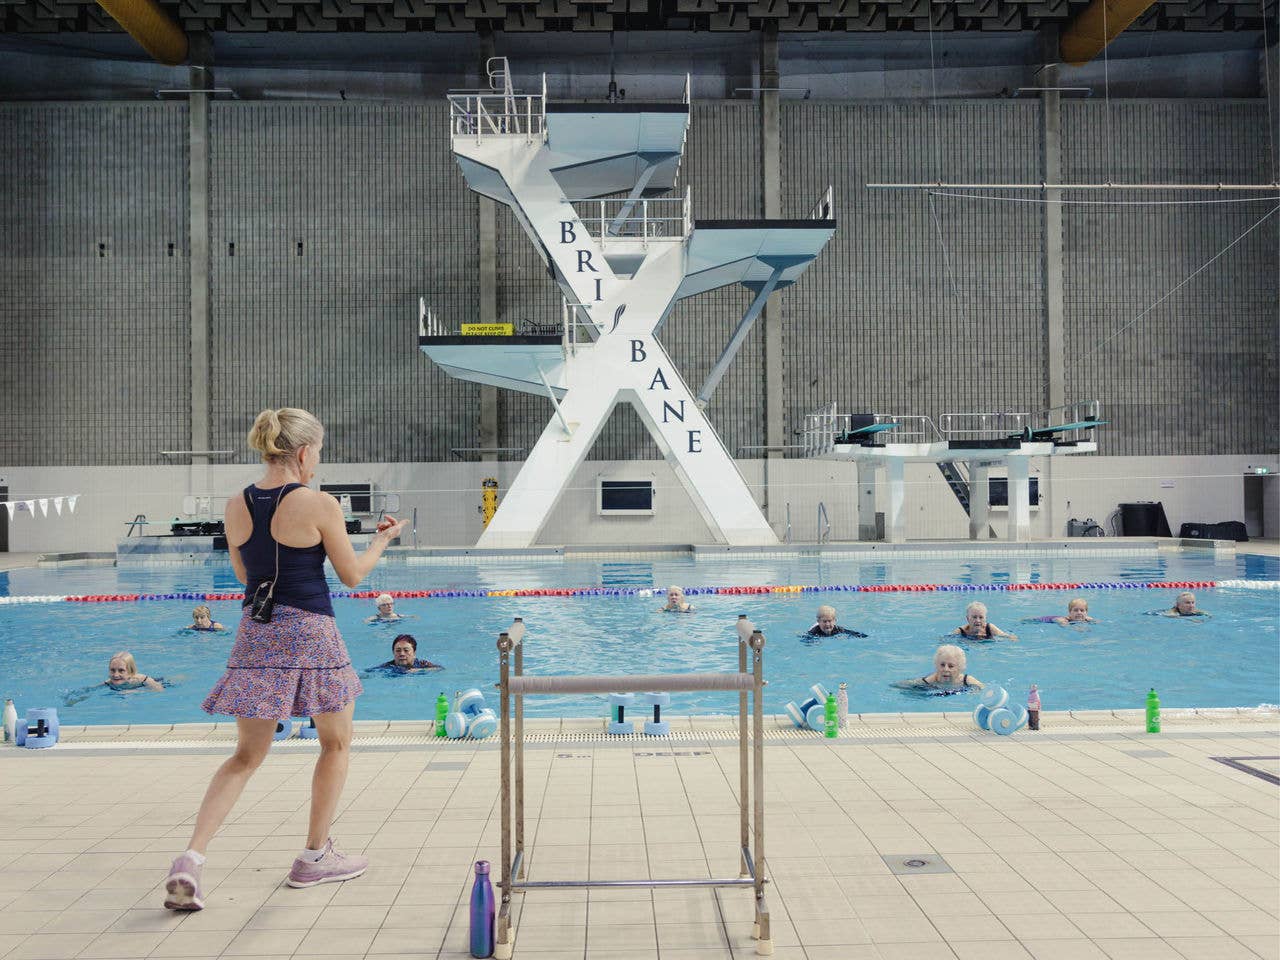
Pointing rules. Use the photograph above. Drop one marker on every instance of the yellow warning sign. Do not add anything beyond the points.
(488, 329)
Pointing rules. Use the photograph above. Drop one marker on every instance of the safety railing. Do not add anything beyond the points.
(982, 426)
(659, 218)
(824, 209)
(499, 111)
(824, 523)
(819, 431)
(430, 325)
(824, 428)
(576, 331)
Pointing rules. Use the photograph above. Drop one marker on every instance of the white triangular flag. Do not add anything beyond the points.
(57, 505)
(44, 506)
(29, 506)
(71, 502)
(11, 506)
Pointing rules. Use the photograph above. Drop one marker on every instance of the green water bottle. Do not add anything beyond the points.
(442, 711)
(1153, 712)
(831, 725)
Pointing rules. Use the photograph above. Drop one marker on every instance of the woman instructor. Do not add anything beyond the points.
(289, 660)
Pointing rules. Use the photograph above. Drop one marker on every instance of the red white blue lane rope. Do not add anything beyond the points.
(689, 591)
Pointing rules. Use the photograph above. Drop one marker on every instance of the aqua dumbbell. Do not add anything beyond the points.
(993, 698)
(483, 724)
(469, 702)
(308, 730)
(1008, 719)
(982, 717)
(618, 722)
(40, 730)
(657, 727)
(284, 729)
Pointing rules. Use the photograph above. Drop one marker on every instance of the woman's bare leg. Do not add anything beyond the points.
(334, 730)
(252, 744)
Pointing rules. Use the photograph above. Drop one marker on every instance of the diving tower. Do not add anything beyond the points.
(593, 186)
(979, 441)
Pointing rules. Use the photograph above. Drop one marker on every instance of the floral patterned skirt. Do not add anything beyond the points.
(294, 666)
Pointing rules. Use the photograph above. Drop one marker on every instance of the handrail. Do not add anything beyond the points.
(824, 209)
(983, 426)
(656, 218)
(824, 523)
(786, 538)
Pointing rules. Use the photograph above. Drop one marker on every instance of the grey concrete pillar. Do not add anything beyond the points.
(201, 58)
(1019, 499)
(487, 277)
(867, 500)
(771, 201)
(979, 501)
(1051, 143)
(895, 514)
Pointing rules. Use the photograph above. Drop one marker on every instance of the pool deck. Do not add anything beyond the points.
(1088, 839)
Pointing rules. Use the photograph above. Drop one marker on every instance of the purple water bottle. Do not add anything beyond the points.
(482, 912)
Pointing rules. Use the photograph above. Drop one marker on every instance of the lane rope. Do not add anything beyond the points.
(689, 591)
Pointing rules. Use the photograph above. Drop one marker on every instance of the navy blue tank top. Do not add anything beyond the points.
(301, 584)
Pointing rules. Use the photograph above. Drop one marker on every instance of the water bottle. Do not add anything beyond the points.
(1033, 709)
(10, 722)
(1153, 712)
(842, 705)
(830, 726)
(442, 711)
(482, 912)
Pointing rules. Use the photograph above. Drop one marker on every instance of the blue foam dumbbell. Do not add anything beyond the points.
(308, 730)
(483, 724)
(657, 727)
(284, 729)
(40, 729)
(618, 722)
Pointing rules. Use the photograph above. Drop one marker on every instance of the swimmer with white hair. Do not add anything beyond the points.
(676, 602)
(977, 627)
(826, 626)
(948, 673)
(1185, 606)
(386, 610)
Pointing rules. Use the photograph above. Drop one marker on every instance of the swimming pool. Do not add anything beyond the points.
(1232, 659)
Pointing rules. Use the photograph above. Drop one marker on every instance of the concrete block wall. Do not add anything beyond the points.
(1170, 311)
(95, 356)
(919, 304)
(341, 216)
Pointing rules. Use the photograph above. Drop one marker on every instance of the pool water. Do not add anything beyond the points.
(50, 652)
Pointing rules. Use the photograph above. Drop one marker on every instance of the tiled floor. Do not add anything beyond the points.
(1086, 840)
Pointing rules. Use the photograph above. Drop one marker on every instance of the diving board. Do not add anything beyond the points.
(981, 441)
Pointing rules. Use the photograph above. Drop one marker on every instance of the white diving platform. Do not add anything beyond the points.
(592, 184)
(980, 441)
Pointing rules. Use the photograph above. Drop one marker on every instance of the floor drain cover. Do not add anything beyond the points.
(1264, 768)
(913, 863)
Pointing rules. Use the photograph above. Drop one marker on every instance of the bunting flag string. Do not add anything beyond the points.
(30, 506)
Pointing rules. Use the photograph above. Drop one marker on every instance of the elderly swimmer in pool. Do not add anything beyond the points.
(676, 602)
(948, 673)
(977, 627)
(1185, 606)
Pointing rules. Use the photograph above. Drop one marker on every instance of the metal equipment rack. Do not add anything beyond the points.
(514, 685)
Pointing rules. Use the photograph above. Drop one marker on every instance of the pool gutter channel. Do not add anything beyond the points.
(708, 731)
